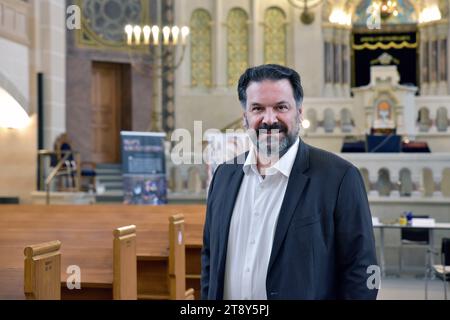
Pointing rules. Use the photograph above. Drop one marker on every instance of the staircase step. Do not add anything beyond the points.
(106, 179)
(108, 172)
(109, 166)
(115, 196)
(113, 184)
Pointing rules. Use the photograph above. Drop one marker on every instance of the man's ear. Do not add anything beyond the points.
(244, 120)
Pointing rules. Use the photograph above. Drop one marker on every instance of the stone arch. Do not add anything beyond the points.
(346, 120)
(311, 116)
(365, 175)
(384, 185)
(329, 120)
(442, 121)
(406, 185)
(428, 182)
(14, 92)
(445, 182)
(423, 119)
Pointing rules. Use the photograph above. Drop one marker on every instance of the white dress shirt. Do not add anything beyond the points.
(253, 225)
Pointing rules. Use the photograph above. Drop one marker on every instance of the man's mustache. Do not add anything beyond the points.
(280, 127)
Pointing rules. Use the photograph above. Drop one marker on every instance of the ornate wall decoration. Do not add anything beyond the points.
(201, 57)
(275, 35)
(406, 13)
(237, 44)
(103, 21)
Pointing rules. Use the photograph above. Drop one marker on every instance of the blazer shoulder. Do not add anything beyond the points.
(232, 164)
(327, 160)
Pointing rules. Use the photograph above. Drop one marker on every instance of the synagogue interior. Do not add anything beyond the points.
(96, 97)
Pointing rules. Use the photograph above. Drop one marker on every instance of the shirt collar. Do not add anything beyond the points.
(283, 165)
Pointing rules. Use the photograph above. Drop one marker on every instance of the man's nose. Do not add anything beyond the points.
(270, 117)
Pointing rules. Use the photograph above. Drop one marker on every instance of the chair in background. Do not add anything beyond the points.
(42, 275)
(73, 172)
(441, 271)
(414, 236)
(65, 175)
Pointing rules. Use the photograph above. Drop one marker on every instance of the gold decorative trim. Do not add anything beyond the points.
(385, 46)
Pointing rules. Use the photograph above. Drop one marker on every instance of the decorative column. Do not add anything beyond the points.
(168, 74)
(442, 71)
(336, 60)
(433, 57)
(424, 60)
(328, 31)
(344, 43)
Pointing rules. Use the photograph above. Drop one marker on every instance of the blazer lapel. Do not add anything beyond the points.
(227, 203)
(296, 185)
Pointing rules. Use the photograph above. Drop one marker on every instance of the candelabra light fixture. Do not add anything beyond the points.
(386, 8)
(154, 35)
(161, 41)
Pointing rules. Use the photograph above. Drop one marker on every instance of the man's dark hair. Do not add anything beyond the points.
(270, 72)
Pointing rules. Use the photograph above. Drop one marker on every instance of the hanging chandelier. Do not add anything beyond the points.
(387, 8)
(307, 16)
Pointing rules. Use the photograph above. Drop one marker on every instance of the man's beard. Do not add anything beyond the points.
(274, 145)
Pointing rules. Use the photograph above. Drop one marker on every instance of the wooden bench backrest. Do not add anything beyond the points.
(124, 263)
(42, 276)
(177, 260)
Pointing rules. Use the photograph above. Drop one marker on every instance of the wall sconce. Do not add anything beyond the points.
(339, 16)
(429, 14)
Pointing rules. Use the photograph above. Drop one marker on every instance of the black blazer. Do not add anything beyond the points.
(323, 241)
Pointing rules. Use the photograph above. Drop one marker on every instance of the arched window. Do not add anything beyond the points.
(346, 120)
(329, 121)
(428, 182)
(275, 36)
(424, 119)
(365, 175)
(311, 116)
(384, 183)
(442, 119)
(237, 44)
(201, 57)
(406, 185)
(445, 182)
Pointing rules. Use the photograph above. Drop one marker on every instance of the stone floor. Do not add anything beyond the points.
(411, 288)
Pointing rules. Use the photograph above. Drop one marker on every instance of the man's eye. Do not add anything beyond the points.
(283, 107)
(257, 109)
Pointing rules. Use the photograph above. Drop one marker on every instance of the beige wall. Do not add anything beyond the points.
(32, 40)
(18, 161)
(18, 146)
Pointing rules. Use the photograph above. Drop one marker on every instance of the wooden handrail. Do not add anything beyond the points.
(52, 175)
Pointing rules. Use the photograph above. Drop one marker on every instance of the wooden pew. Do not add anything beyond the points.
(177, 260)
(164, 277)
(97, 284)
(124, 264)
(75, 226)
(42, 271)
